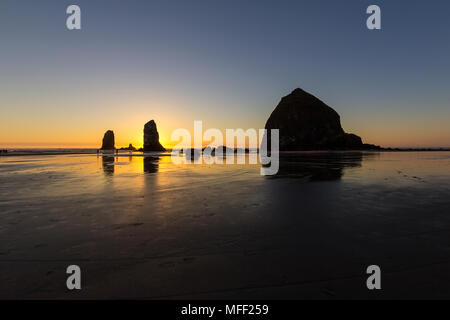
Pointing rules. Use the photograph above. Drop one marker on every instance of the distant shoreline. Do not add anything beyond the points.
(59, 151)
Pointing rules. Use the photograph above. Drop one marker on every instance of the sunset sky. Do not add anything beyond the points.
(227, 63)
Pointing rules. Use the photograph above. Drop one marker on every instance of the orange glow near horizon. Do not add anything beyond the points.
(387, 138)
(37, 131)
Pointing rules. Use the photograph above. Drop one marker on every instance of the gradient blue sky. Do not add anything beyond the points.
(227, 63)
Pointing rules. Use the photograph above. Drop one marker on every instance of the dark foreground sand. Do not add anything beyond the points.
(146, 228)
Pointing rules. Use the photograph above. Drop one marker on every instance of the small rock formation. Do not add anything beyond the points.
(221, 150)
(192, 154)
(151, 137)
(306, 123)
(108, 141)
(130, 148)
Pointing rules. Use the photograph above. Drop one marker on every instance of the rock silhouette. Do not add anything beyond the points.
(151, 137)
(306, 123)
(108, 141)
(129, 148)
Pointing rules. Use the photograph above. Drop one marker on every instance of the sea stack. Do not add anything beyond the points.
(151, 137)
(108, 141)
(307, 123)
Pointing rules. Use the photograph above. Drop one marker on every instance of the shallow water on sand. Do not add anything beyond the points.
(143, 227)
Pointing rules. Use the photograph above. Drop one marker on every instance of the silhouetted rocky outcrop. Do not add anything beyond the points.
(192, 154)
(306, 123)
(108, 141)
(151, 137)
(129, 148)
(221, 150)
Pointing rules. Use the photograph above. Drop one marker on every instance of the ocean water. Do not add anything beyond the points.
(144, 227)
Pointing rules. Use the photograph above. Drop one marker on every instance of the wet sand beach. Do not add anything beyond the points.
(143, 227)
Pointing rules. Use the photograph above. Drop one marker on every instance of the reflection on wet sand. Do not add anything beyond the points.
(312, 166)
(221, 231)
(108, 165)
(318, 166)
(151, 164)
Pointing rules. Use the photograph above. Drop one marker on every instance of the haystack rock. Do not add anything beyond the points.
(151, 137)
(108, 141)
(306, 123)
